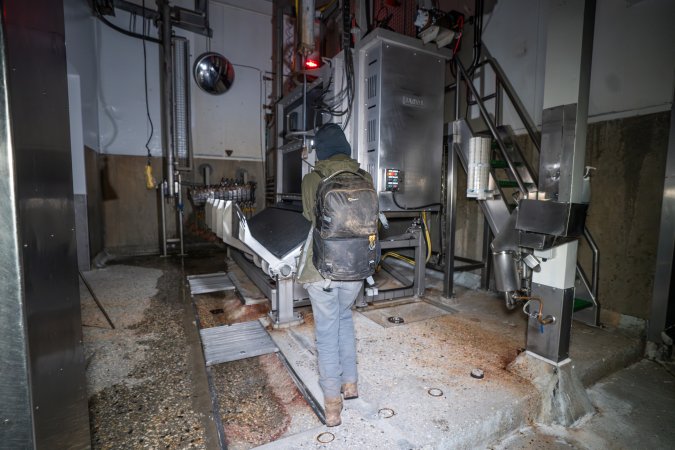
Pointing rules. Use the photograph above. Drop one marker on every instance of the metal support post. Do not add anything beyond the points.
(420, 264)
(284, 316)
(166, 75)
(162, 199)
(180, 214)
(553, 295)
(564, 120)
(450, 219)
(458, 91)
(486, 272)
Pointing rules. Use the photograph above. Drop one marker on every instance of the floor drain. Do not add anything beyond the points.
(477, 373)
(325, 437)
(217, 311)
(386, 413)
(434, 392)
(395, 319)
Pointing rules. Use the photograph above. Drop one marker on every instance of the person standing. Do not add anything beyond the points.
(331, 297)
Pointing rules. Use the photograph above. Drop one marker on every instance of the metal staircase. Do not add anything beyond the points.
(511, 175)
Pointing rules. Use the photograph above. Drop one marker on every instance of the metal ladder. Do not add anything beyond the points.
(511, 175)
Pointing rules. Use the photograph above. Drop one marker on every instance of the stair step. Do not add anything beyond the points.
(501, 164)
(580, 303)
(510, 184)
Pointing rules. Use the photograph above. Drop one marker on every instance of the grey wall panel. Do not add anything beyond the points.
(38, 104)
(15, 405)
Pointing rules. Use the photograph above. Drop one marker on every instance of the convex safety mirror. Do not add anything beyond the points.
(213, 73)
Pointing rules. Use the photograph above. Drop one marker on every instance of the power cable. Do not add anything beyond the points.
(145, 80)
(413, 208)
(125, 32)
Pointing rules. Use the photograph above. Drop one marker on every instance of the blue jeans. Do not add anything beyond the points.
(334, 327)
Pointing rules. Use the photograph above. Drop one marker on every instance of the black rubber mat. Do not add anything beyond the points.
(279, 230)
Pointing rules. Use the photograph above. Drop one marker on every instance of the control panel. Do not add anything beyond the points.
(393, 179)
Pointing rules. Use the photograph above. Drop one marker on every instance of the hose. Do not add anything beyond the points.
(539, 315)
(398, 256)
(426, 235)
(413, 208)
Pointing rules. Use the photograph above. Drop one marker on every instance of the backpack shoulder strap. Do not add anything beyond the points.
(359, 173)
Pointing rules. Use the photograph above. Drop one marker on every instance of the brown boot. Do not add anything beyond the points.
(349, 390)
(333, 408)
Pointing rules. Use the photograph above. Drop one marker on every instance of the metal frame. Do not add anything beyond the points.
(282, 293)
(43, 398)
(413, 239)
(196, 21)
(15, 391)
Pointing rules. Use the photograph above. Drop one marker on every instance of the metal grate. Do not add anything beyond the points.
(233, 342)
(372, 85)
(372, 130)
(210, 282)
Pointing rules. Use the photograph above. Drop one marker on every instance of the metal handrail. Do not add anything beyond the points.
(595, 277)
(515, 101)
(491, 125)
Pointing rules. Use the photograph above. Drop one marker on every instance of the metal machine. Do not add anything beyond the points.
(396, 132)
(399, 115)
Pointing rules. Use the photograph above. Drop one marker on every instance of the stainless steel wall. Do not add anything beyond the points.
(47, 287)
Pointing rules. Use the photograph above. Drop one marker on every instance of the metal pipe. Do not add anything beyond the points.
(307, 43)
(167, 91)
(279, 53)
(304, 106)
(540, 313)
(162, 191)
(458, 90)
(487, 256)
(498, 102)
(179, 193)
(493, 130)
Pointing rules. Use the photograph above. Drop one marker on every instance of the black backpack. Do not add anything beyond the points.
(345, 241)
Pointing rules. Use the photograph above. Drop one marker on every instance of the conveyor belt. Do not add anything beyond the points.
(279, 230)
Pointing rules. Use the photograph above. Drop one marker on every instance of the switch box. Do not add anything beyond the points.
(393, 178)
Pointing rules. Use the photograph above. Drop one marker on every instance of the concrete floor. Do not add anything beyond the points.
(415, 387)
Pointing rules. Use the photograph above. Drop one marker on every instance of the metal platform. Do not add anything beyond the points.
(233, 342)
(210, 282)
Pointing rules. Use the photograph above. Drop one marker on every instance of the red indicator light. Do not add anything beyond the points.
(311, 64)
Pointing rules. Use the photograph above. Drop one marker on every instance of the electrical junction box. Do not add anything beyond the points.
(392, 180)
